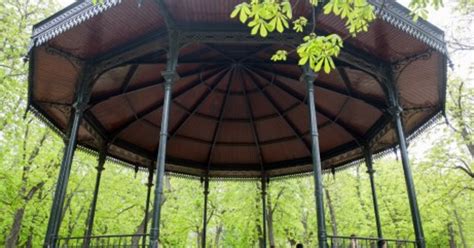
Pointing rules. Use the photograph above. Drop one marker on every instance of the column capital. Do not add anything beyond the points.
(79, 106)
(308, 75)
(170, 77)
(150, 178)
(206, 185)
(370, 171)
(395, 110)
(264, 186)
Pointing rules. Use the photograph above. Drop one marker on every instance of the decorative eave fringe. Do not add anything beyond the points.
(379, 155)
(70, 18)
(395, 14)
(389, 11)
(213, 179)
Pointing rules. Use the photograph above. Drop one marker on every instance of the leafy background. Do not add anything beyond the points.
(30, 153)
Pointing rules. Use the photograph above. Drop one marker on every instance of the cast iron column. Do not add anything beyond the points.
(264, 212)
(396, 111)
(370, 171)
(90, 220)
(415, 212)
(308, 77)
(77, 110)
(170, 76)
(147, 204)
(204, 218)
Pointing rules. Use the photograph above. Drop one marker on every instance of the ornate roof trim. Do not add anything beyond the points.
(68, 18)
(400, 17)
(390, 11)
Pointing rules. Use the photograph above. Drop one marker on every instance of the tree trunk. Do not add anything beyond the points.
(31, 234)
(452, 240)
(332, 213)
(460, 228)
(218, 235)
(257, 220)
(29, 242)
(140, 230)
(198, 238)
(290, 240)
(359, 195)
(12, 238)
(269, 217)
(26, 195)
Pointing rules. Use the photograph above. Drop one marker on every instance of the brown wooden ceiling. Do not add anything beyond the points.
(231, 102)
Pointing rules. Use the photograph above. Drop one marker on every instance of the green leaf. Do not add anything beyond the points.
(234, 13)
(263, 31)
(318, 65)
(271, 25)
(243, 16)
(279, 26)
(254, 30)
(327, 67)
(303, 60)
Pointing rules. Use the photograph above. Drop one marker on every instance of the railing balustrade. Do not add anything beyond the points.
(362, 242)
(104, 241)
(139, 240)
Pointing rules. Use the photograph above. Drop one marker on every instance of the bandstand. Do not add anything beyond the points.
(177, 86)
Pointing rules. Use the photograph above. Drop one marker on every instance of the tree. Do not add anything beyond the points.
(316, 50)
(30, 155)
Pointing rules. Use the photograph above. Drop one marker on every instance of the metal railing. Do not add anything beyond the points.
(361, 242)
(140, 240)
(103, 241)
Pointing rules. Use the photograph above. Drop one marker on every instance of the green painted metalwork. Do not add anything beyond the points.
(309, 76)
(147, 204)
(264, 212)
(81, 99)
(204, 218)
(169, 76)
(415, 212)
(370, 171)
(396, 112)
(90, 220)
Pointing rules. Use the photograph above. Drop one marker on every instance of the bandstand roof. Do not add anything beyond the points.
(231, 102)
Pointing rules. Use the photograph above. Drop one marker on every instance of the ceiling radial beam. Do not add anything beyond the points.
(214, 34)
(197, 105)
(218, 126)
(222, 53)
(163, 9)
(145, 44)
(372, 102)
(118, 57)
(261, 118)
(279, 111)
(145, 86)
(142, 114)
(291, 92)
(268, 142)
(252, 123)
(128, 78)
(345, 78)
(191, 61)
(259, 50)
